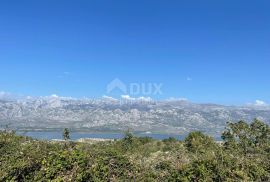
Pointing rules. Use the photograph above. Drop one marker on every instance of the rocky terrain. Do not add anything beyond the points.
(108, 114)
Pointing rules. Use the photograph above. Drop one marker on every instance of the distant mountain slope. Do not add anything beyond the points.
(142, 115)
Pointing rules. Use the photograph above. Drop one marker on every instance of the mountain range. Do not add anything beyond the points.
(174, 116)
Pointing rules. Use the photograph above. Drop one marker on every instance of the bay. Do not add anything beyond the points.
(57, 135)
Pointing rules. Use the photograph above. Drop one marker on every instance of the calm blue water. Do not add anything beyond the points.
(49, 135)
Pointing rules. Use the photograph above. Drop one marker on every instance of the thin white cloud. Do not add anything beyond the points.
(147, 99)
(4, 95)
(10, 96)
(64, 74)
(54, 96)
(177, 99)
(109, 98)
(189, 78)
(260, 103)
(127, 97)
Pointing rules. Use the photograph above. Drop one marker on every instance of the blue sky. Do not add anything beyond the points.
(206, 51)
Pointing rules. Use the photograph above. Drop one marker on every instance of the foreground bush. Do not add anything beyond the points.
(243, 156)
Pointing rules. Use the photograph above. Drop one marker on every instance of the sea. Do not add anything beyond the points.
(57, 135)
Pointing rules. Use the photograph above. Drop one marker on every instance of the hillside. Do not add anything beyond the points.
(243, 156)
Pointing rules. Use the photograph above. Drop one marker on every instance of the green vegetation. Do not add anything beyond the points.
(244, 155)
(66, 134)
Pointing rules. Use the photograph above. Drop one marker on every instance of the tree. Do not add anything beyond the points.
(260, 134)
(128, 140)
(66, 133)
(198, 142)
(247, 137)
